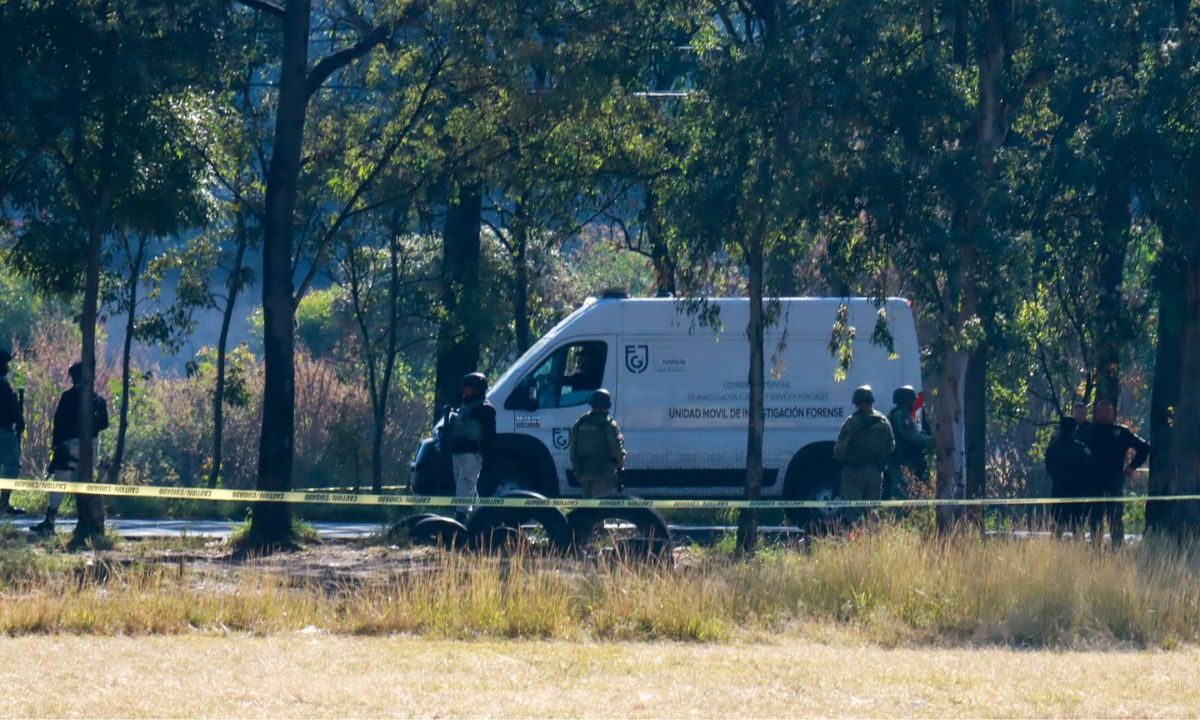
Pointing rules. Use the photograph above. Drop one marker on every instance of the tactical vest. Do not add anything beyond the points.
(871, 442)
(464, 424)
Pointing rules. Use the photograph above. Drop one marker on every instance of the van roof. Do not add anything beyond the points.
(673, 315)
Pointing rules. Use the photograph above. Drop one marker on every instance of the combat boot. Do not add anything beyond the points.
(45, 527)
(6, 507)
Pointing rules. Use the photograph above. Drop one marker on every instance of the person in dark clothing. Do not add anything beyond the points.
(470, 430)
(1069, 464)
(1079, 413)
(908, 459)
(64, 442)
(12, 425)
(1110, 444)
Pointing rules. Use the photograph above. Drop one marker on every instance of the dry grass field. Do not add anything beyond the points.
(894, 588)
(318, 675)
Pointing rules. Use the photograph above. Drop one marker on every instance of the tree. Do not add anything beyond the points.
(271, 524)
(111, 162)
(770, 88)
(1168, 188)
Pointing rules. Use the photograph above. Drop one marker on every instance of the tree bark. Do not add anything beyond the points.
(747, 531)
(458, 334)
(1185, 442)
(90, 508)
(233, 288)
(947, 404)
(522, 329)
(271, 523)
(1109, 325)
(975, 424)
(131, 287)
(1172, 301)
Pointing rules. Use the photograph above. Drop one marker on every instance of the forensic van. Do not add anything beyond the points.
(681, 396)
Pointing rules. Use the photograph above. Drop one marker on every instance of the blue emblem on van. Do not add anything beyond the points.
(562, 438)
(637, 358)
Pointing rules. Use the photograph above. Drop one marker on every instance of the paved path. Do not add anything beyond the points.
(136, 529)
(141, 529)
(219, 529)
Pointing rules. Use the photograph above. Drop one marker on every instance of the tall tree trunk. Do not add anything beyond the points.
(947, 405)
(975, 424)
(1185, 441)
(233, 288)
(522, 329)
(1172, 303)
(271, 523)
(1109, 326)
(458, 335)
(747, 532)
(90, 508)
(131, 288)
(660, 254)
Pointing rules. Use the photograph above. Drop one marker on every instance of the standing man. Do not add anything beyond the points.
(1079, 412)
(597, 448)
(471, 429)
(12, 425)
(64, 446)
(1069, 464)
(908, 461)
(863, 447)
(1110, 444)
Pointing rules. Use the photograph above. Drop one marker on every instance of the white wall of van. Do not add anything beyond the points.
(681, 394)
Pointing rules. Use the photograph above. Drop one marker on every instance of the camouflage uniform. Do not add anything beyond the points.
(863, 447)
(909, 456)
(597, 453)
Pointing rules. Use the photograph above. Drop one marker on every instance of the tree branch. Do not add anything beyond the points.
(340, 59)
(264, 5)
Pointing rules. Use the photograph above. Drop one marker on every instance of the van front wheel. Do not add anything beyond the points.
(506, 477)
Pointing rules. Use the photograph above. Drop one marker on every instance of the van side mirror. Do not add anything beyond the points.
(531, 397)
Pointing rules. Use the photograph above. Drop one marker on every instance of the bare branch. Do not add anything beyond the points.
(340, 59)
(264, 5)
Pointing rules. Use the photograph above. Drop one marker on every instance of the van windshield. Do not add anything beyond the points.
(538, 347)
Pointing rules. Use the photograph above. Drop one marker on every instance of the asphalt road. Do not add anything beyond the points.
(140, 529)
(136, 529)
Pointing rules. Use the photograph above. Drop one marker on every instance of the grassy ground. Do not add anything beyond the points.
(315, 675)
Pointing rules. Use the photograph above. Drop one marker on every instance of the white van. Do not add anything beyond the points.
(681, 396)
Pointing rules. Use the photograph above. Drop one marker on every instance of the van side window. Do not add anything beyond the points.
(566, 378)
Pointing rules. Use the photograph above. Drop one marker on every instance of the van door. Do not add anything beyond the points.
(548, 401)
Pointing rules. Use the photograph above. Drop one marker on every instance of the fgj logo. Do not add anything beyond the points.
(637, 358)
(562, 438)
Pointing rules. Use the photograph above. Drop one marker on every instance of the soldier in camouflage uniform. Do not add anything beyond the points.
(908, 461)
(597, 448)
(863, 447)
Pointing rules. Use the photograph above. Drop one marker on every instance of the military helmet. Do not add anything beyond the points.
(863, 394)
(600, 400)
(476, 381)
(904, 395)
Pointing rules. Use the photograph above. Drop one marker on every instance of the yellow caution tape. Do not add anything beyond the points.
(339, 498)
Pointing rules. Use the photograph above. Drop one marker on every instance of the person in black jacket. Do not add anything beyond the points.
(1069, 464)
(1110, 444)
(65, 441)
(470, 430)
(12, 424)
